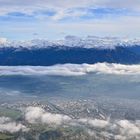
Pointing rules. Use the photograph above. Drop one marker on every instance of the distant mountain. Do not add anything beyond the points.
(63, 54)
(72, 42)
(71, 49)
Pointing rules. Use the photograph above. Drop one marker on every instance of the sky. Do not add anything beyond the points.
(54, 19)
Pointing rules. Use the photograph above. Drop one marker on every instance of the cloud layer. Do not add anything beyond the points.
(99, 129)
(38, 115)
(96, 128)
(70, 69)
(32, 6)
(99, 17)
(7, 125)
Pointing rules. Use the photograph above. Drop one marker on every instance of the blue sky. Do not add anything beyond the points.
(54, 19)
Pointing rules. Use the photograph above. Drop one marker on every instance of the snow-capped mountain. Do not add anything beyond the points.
(72, 49)
(3, 41)
(73, 41)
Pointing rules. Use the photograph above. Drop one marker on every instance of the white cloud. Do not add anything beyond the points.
(130, 4)
(29, 7)
(38, 115)
(70, 69)
(115, 26)
(96, 128)
(121, 26)
(117, 129)
(127, 128)
(72, 3)
(73, 10)
(95, 122)
(3, 40)
(7, 125)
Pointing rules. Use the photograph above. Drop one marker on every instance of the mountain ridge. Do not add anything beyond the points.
(58, 55)
(72, 41)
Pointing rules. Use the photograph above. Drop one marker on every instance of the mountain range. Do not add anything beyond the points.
(70, 50)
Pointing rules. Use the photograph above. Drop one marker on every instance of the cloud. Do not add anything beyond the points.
(71, 69)
(135, 4)
(128, 128)
(80, 17)
(95, 122)
(62, 7)
(109, 26)
(32, 6)
(3, 40)
(38, 115)
(7, 125)
(35, 4)
(117, 129)
(96, 128)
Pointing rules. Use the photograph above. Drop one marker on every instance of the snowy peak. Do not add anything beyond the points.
(3, 40)
(73, 41)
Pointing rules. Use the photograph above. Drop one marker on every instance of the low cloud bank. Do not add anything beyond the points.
(38, 115)
(70, 69)
(99, 129)
(7, 125)
(118, 129)
(96, 128)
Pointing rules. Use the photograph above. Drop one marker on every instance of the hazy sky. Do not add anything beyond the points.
(53, 19)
